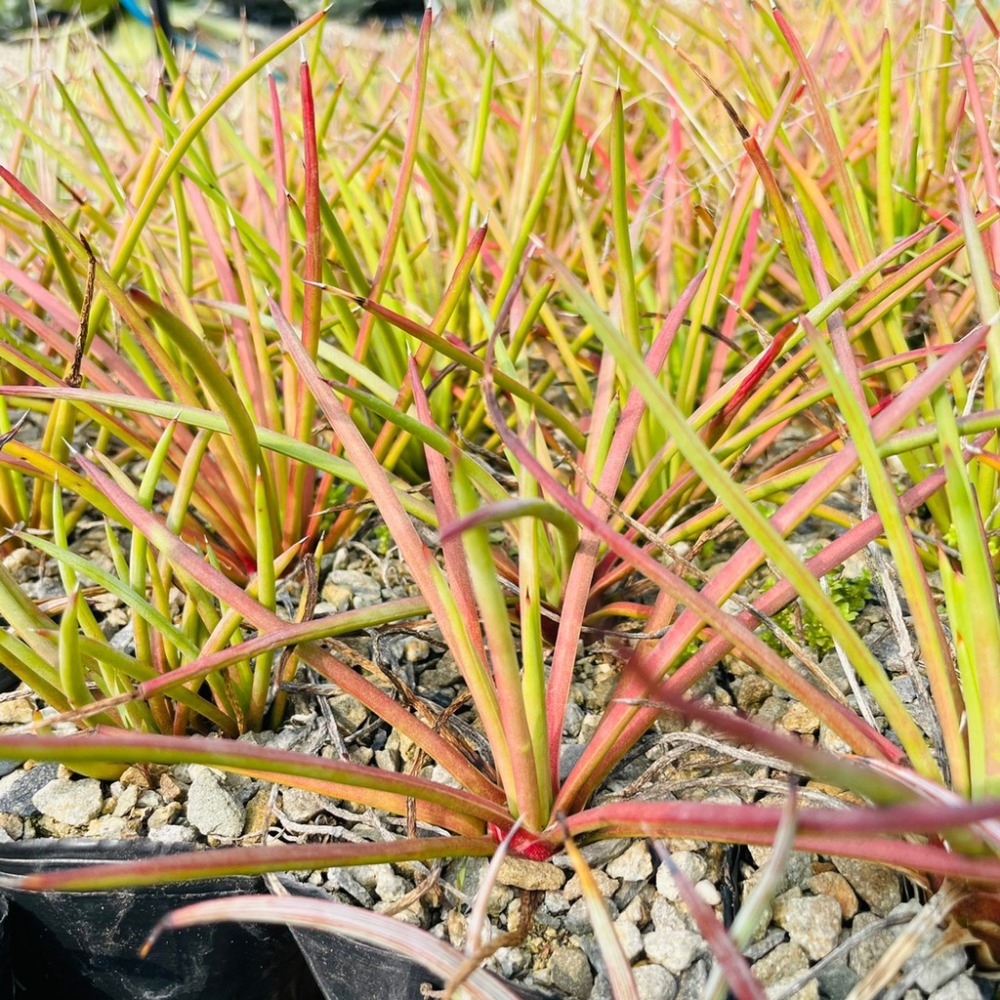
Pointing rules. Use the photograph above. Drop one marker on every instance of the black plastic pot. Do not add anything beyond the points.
(85, 945)
(345, 969)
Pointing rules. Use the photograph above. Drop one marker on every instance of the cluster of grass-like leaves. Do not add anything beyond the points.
(585, 281)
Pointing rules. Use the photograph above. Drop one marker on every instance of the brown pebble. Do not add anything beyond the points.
(834, 884)
(53, 828)
(259, 814)
(12, 825)
(16, 711)
(754, 691)
(169, 788)
(524, 874)
(134, 776)
(164, 816)
(799, 719)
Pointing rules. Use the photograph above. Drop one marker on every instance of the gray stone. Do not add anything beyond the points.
(150, 800)
(635, 865)
(74, 803)
(571, 972)
(797, 870)
(628, 891)
(577, 918)
(692, 865)
(602, 987)
(812, 922)
(829, 740)
(211, 808)
(607, 886)
(866, 953)
(675, 950)
(512, 961)
(766, 942)
(390, 887)
(444, 673)
(905, 688)
(569, 754)
(960, 988)
(242, 787)
(666, 916)
(837, 981)
(877, 886)
(597, 854)
(555, 902)
(808, 992)
(630, 938)
(781, 963)
(173, 835)
(365, 591)
(579, 921)
(885, 645)
(45, 588)
(935, 970)
(653, 982)
(587, 943)
(692, 981)
(18, 788)
(300, 805)
(639, 908)
(124, 639)
(127, 800)
(572, 720)
(349, 712)
(773, 710)
(367, 875)
(342, 880)
(387, 760)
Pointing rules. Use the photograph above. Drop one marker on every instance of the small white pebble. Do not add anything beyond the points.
(708, 892)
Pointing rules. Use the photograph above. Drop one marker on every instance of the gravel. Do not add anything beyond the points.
(960, 988)
(74, 803)
(675, 950)
(653, 982)
(17, 790)
(812, 922)
(535, 876)
(634, 865)
(212, 809)
(570, 972)
(879, 887)
(816, 943)
(942, 967)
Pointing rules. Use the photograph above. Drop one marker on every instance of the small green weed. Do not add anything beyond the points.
(850, 594)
